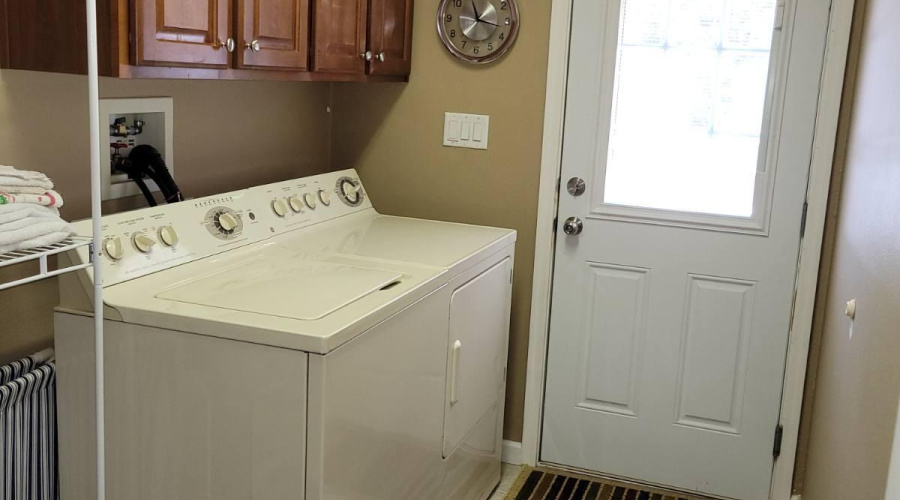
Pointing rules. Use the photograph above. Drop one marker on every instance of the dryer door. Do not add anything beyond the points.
(479, 331)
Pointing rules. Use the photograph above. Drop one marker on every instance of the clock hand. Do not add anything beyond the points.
(488, 22)
(477, 15)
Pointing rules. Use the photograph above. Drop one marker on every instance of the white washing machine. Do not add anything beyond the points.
(289, 342)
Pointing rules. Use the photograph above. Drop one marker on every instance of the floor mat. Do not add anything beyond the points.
(547, 484)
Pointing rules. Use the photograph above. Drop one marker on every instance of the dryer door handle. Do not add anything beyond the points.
(454, 371)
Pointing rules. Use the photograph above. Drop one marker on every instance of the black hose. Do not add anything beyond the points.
(146, 160)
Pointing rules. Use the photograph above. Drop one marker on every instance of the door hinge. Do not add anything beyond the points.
(803, 219)
(779, 433)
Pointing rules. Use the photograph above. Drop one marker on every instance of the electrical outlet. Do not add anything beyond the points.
(466, 131)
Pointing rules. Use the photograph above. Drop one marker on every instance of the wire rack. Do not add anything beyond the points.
(41, 254)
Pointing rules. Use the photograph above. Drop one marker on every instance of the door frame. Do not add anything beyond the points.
(830, 92)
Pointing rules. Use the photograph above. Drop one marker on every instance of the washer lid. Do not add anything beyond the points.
(284, 287)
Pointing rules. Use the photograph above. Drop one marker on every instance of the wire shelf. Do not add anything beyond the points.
(41, 254)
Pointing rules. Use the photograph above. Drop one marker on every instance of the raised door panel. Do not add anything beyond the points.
(390, 37)
(339, 36)
(281, 30)
(182, 32)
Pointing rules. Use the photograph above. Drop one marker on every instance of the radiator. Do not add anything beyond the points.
(28, 457)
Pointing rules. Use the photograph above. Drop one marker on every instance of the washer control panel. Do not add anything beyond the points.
(148, 240)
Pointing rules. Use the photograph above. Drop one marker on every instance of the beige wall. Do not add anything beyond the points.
(854, 407)
(393, 134)
(228, 135)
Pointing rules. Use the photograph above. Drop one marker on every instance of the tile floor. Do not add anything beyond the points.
(508, 476)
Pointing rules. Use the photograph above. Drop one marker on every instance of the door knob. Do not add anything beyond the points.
(228, 44)
(254, 46)
(380, 57)
(573, 226)
(367, 55)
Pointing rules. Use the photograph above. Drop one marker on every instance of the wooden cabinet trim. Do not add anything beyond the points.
(4, 35)
(185, 73)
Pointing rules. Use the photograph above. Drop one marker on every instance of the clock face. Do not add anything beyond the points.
(478, 31)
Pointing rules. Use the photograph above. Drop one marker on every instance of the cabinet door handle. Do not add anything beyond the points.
(454, 371)
(228, 44)
(254, 46)
(367, 55)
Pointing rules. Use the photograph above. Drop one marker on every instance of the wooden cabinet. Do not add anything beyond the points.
(390, 37)
(339, 35)
(182, 32)
(363, 36)
(301, 40)
(272, 34)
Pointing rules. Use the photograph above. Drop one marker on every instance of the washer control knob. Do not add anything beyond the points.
(325, 197)
(279, 208)
(296, 204)
(310, 200)
(142, 242)
(227, 222)
(350, 191)
(168, 236)
(113, 248)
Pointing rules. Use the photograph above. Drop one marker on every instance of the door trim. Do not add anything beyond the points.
(830, 92)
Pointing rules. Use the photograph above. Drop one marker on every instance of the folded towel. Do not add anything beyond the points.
(16, 211)
(31, 232)
(48, 198)
(39, 241)
(11, 176)
(20, 189)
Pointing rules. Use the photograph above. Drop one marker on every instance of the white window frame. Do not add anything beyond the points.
(810, 251)
(767, 160)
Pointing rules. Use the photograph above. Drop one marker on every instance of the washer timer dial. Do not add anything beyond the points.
(350, 191)
(223, 223)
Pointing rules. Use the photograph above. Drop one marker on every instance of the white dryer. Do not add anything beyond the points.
(289, 342)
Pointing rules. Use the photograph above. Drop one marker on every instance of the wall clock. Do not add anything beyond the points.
(478, 31)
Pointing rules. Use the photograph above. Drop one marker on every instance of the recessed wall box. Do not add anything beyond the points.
(130, 123)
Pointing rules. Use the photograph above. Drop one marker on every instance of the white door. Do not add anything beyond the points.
(691, 123)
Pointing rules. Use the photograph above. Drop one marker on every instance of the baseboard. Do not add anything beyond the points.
(512, 453)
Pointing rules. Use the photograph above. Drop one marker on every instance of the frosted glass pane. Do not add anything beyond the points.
(688, 106)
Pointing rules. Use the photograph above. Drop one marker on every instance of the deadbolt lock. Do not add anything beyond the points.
(575, 186)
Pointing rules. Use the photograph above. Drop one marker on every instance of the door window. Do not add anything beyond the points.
(687, 130)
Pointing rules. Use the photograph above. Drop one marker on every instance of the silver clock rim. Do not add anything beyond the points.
(445, 39)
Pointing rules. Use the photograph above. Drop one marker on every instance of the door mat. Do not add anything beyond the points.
(552, 484)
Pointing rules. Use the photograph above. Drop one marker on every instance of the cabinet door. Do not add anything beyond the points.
(339, 35)
(390, 36)
(182, 32)
(279, 29)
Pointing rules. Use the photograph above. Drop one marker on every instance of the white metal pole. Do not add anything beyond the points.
(96, 210)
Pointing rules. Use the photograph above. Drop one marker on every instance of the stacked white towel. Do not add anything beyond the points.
(25, 186)
(29, 216)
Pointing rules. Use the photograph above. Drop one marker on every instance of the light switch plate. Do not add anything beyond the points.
(462, 130)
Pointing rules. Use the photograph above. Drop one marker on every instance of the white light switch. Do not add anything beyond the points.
(466, 131)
